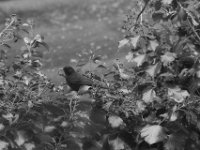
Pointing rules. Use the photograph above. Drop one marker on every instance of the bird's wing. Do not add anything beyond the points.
(81, 80)
(85, 81)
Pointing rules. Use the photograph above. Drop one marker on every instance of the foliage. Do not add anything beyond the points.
(164, 41)
(152, 95)
(36, 114)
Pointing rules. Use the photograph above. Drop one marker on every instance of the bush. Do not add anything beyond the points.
(152, 99)
(164, 41)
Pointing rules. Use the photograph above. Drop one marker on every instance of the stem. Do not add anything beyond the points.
(6, 28)
(189, 21)
(142, 10)
(193, 30)
(141, 16)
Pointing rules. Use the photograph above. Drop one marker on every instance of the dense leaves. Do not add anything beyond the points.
(167, 62)
(152, 95)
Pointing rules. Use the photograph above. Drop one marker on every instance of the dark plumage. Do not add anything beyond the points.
(76, 80)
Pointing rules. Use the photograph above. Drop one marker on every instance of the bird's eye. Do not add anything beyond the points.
(68, 70)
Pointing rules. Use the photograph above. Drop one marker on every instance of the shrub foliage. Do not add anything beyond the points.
(152, 99)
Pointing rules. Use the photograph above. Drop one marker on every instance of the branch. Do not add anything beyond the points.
(146, 3)
(7, 28)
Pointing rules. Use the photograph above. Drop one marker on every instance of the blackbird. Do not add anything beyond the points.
(76, 80)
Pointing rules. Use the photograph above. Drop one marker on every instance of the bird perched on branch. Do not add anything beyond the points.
(76, 80)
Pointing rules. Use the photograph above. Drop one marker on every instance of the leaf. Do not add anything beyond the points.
(72, 95)
(36, 63)
(140, 59)
(167, 2)
(194, 22)
(173, 39)
(191, 118)
(39, 38)
(179, 46)
(167, 58)
(154, 44)
(27, 40)
(90, 144)
(167, 74)
(117, 144)
(26, 55)
(30, 104)
(41, 74)
(45, 45)
(26, 80)
(86, 99)
(84, 89)
(157, 5)
(12, 119)
(140, 107)
(1, 82)
(134, 41)
(2, 127)
(18, 74)
(149, 96)
(3, 145)
(177, 94)
(98, 116)
(2, 64)
(8, 117)
(6, 45)
(73, 144)
(15, 118)
(182, 14)
(29, 146)
(65, 124)
(97, 58)
(21, 139)
(129, 57)
(153, 134)
(25, 24)
(157, 16)
(72, 60)
(176, 141)
(49, 128)
(54, 109)
(107, 105)
(44, 138)
(122, 74)
(154, 69)
(125, 91)
(198, 124)
(38, 54)
(174, 115)
(115, 121)
(123, 42)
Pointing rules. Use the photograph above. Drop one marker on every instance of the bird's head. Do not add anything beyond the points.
(68, 70)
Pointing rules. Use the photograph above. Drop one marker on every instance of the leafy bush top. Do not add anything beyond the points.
(153, 97)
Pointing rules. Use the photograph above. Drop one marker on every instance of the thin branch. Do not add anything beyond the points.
(193, 30)
(142, 10)
(7, 28)
(191, 26)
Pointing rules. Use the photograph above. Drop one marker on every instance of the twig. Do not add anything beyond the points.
(189, 21)
(142, 10)
(7, 28)
(193, 30)
(141, 16)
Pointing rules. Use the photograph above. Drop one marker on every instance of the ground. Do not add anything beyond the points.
(72, 26)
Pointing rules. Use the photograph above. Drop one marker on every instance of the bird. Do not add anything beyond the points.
(76, 80)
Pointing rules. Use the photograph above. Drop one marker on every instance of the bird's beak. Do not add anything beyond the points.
(61, 73)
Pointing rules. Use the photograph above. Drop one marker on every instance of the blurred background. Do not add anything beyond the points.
(72, 27)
